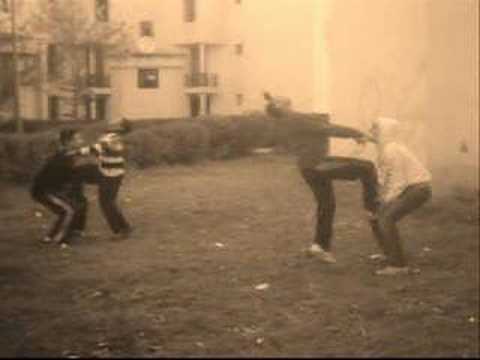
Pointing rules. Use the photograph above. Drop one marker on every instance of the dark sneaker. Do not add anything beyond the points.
(122, 235)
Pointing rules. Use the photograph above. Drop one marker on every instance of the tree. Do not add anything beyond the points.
(74, 32)
(10, 89)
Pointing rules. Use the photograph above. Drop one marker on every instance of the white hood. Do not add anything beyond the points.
(388, 130)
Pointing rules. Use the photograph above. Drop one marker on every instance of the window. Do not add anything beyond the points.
(4, 6)
(53, 108)
(146, 29)
(239, 49)
(52, 60)
(239, 99)
(148, 78)
(189, 10)
(101, 10)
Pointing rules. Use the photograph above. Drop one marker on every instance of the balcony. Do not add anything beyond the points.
(97, 84)
(98, 81)
(201, 83)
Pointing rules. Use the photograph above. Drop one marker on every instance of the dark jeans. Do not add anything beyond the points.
(64, 208)
(108, 191)
(384, 227)
(108, 188)
(79, 222)
(320, 180)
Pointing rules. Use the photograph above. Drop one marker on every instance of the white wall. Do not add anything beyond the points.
(453, 79)
(416, 60)
(167, 101)
(278, 51)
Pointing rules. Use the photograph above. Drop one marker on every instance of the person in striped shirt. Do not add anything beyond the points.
(108, 174)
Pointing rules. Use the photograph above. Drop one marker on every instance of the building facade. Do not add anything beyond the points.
(416, 60)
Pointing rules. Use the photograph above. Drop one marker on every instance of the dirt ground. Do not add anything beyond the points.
(205, 237)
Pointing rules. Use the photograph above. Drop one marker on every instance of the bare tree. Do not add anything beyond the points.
(68, 25)
(10, 45)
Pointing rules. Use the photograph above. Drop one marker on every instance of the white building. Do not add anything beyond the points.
(413, 59)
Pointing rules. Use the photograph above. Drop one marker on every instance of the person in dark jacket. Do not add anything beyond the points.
(57, 189)
(307, 135)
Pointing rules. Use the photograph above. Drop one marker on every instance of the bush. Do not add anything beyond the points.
(22, 155)
(145, 150)
(186, 140)
(151, 143)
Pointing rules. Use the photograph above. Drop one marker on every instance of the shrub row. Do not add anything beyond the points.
(152, 143)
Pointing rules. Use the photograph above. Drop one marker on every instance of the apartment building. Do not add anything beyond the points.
(189, 58)
(213, 56)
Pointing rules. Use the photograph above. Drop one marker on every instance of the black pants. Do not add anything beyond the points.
(320, 179)
(384, 226)
(79, 222)
(108, 188)
(64, 208)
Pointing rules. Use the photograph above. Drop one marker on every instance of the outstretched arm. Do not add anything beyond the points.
(340, 131)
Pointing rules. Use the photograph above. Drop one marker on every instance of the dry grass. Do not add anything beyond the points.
(171, 291)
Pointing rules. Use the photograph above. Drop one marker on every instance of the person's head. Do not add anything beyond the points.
(121, 127)
(267, 96)
(384, 129)
(71, 139)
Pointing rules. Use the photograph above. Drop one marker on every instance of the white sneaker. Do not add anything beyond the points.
(377, 257)
(323, 255)
(65, 246)
(393, 270)
(46, 240)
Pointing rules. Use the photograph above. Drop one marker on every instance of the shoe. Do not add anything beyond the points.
(64, 246)
(79, 234)
(378, 257)
(122, 235)
(372, 216)
(317, 251)
(46, 240)
(393, 270)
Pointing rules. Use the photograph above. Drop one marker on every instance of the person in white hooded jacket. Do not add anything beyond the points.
(404, 186)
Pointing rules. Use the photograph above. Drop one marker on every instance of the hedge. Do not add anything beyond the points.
(151, 143)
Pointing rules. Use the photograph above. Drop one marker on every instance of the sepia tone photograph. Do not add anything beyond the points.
(239, 178)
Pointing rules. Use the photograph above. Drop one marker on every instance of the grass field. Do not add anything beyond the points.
(205, 237)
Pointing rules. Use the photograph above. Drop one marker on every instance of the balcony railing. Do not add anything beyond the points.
(201, 80)
(98, 81)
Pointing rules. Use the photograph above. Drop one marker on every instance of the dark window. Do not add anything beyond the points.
(101, 108)
(4, 6)
(6, 77)
(146, 29)
(239, 99)
(102, 10)
(52, 60)
(239, 49)
(148, 78)
(53, 107)
(189, 10)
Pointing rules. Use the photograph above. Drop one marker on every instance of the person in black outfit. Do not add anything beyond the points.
(308, 136)
(57, 189)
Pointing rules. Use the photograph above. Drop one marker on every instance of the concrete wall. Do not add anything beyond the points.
(166, 101)
(416, 60)
(278, 51)
(453, 79)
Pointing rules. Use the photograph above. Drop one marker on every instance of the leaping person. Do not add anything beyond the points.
(309, 135)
